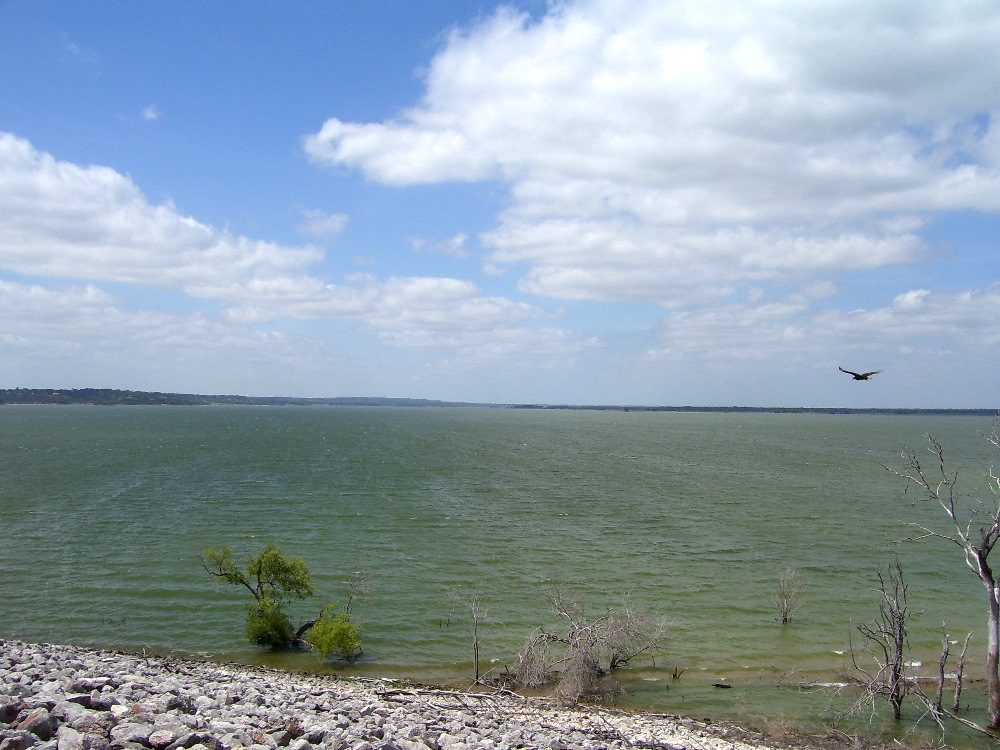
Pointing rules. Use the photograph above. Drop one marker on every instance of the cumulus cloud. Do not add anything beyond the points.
(66, 222)
(321, 225)
(453, 246)
(41, 308)
(513, 347)
(672, 151)
(916, 321)
(63, 220)
(81, 335)
(79, 318)
(415, 303)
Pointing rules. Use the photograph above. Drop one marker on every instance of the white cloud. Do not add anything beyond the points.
(151, 113)
(673, 151)
(62, 221)
(915, 321)
(422, 303)
(453, 246)
(32, 309)
(59, 219)
(321, 225)
(512, 347)
(82, 336)
(79, 318)
(90, 58)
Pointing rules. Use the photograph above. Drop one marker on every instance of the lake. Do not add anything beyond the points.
(690, 516)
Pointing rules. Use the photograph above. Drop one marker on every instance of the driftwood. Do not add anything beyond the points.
(460, 698)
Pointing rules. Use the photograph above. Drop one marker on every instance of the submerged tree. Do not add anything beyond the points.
(577, 656)
(333, 634)
(786, 596)
(272, 578)
(475, 604)
(887, 644)
(975, 529)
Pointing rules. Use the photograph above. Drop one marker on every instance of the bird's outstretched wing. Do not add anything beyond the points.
(859, 375)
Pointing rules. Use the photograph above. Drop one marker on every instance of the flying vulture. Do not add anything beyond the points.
(860, 375)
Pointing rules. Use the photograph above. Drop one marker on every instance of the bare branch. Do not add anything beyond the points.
(789, 591)
(887, 645)
(960, 675)
(586, 649)
(976, 524)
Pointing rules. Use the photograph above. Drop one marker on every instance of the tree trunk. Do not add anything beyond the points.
(302, 630)
(993, 658)
(960, 675)
(942, 664)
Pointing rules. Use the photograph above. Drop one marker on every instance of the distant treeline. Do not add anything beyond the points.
(769, 409)
(113, 397)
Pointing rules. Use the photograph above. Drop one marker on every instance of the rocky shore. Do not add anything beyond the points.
(69, 698)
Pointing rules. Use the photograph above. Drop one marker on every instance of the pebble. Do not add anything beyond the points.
(70, 698)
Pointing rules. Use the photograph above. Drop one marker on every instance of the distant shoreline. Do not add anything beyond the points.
(116, 397)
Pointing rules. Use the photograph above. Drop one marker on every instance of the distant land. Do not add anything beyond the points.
(114, 397)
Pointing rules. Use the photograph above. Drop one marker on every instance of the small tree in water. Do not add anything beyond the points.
(333, 634)
(585, 650)
(887, 644)
(788, 593)
(273, 579)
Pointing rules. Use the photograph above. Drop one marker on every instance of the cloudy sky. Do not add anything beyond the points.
(670, 202)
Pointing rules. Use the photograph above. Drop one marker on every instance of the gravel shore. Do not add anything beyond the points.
(69, 698)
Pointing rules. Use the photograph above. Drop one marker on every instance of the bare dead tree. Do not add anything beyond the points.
(584, 649)
(786, 596)
(534, 666)
(359, 583)
(935, 706)
(887, 646)
(942, 663)
(975, 525)
(960, 675)
(476, 604)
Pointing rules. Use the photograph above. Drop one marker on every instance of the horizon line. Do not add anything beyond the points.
(117, 396)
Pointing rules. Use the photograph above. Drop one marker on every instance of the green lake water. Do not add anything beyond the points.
(104, 512)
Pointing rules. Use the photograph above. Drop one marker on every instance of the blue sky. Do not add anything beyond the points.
(596, 201)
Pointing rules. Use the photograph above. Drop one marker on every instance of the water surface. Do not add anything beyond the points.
(105, 511)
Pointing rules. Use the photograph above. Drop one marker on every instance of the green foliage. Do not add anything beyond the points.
(219, 563)
(271, 578)
(268, 625)
(268, 575)
(279, 576)
(333, 634)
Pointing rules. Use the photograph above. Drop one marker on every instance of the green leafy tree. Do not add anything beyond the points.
(272, 579)
(333, 634)
(268, 625)
(268, 575)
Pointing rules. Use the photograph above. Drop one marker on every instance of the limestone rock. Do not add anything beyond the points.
(40, 723)
(65, 698)
(16, 740)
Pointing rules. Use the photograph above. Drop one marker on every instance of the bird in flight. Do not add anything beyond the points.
(860, 375)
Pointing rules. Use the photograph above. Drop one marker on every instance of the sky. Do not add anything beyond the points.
(636, 202)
